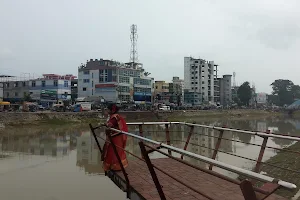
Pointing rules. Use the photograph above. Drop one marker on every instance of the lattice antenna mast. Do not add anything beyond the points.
(133, 38)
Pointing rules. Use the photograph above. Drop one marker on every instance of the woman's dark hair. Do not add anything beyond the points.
(113, 108)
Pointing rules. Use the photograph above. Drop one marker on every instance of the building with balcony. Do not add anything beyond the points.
(51, 88)
(178, 89)
(115, 81)
(15, 91)
(199, 78)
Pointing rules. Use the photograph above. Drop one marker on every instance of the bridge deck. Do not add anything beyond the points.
(214, 187)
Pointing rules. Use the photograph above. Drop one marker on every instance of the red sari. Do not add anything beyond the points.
(110, 161)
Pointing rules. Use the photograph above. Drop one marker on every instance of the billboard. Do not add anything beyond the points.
(261, 98)
(49, 95)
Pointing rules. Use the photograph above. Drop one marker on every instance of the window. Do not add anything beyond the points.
(202, 71)
(66, 84)
(24, 84)
(16, 94)
(103, 75)
(92, 83)
(55, 83)
(92, 75)
(196, 61)
(192, 83)
(86, 72)
(202, 82)
(196, 88)
(196, 82)
(43, 83)
(86, 80)
(84, 89)
(196, 77)
(124, 79)
(92, 91)
(16, 84)
(192, 77)
(33, 84)
(156, 87)
(203, 88)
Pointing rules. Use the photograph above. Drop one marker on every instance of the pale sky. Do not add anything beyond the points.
(257, 39)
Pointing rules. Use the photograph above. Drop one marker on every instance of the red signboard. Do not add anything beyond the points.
(104, 85)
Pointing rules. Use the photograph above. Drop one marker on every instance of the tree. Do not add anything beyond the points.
(27, 97)
(286, 91)
(244, 93)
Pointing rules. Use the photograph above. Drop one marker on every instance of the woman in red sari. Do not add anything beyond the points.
(110, 161)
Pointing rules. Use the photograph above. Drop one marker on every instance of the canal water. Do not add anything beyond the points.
(64, 163)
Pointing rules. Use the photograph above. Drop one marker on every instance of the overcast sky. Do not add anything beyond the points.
(257, 39)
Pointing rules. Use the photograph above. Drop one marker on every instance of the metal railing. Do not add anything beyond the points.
(246, 186)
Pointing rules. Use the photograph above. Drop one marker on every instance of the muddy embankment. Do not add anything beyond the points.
(24, 118)
(288, 166)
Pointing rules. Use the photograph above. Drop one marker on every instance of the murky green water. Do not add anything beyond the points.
(64, 163)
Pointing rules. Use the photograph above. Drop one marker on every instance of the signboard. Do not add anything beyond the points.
(49, 94)
(142, 94)
(261, 98)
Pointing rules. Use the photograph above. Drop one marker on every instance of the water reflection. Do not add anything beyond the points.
(37, 144)
(88, 154)
(44, 145)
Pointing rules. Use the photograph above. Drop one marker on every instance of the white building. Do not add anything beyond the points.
(199, 78)
(114, 81)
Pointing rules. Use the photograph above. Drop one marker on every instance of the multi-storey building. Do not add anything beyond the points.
(199, 79)
(161, 92)
(178, 87)
(1, 91)
(15, 91)
(223, 90)
(50, 88)
(114, 81)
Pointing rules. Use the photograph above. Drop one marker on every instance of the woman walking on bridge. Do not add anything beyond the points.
(110, 161)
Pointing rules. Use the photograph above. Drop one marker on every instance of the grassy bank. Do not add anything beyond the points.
(285, 160)
(23, 119)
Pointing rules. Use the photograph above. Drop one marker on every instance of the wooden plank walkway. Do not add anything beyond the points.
(144, 188)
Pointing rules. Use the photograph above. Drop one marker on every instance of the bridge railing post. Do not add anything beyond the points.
(141, 130)
(188, 139)
(218, 144)
(168, 137)
(152, 171)
(261, 153)
(120, 163)
(95, 137)
(248, 190)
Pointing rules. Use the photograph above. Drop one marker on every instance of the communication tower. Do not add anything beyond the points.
(133, 38)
